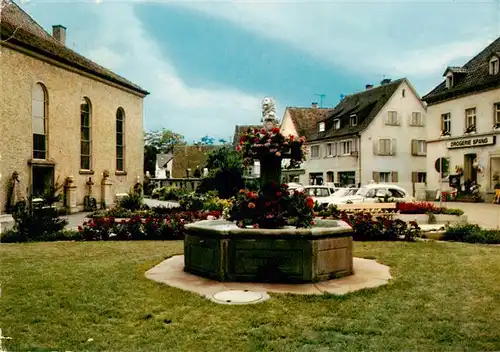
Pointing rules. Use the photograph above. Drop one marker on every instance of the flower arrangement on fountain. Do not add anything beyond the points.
(271, 208)
(260, 143)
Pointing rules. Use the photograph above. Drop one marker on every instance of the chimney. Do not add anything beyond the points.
(385, 81)
(369, 86)
(59, 33)
(314, 105)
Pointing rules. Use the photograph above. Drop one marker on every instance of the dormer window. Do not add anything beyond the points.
(449, 80)
(353, 120)
(494, 65)
(322, 127)
(336, 124)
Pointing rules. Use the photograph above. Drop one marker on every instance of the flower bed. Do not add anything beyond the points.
(381, 228)
(425, 208)
(142, 226)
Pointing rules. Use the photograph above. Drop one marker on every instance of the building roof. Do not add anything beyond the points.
(365, 105)
(19, 29)
(475, 77)
(239, 130)
(163, 159)
(306, 120)
(190, 157)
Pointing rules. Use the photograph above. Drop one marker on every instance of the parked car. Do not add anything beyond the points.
(373, 193)
(318, 193)
(339, 193)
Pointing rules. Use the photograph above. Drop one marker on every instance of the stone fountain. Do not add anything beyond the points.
(222, 251)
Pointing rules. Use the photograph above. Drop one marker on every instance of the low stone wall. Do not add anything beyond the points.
(191, 184)
(6, 222)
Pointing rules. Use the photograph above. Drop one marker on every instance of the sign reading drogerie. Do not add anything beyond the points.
(471, 142)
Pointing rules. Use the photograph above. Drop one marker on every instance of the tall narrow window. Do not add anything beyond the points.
(445, 124)
(470, 120)
(496, 112)
(39, 109)
(120, 141)
(85, 135)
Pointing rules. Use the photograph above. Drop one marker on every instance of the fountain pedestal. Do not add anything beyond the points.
(219, 250)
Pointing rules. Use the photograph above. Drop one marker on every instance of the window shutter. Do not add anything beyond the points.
(394, 176)
(376, 176)
(354, 145)
(393, 146)
(414, 147)
(414, 177)
(398, 118)
(376, 144)
(425, 147)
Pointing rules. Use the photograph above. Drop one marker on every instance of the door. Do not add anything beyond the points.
(42, 178)
(470, 173)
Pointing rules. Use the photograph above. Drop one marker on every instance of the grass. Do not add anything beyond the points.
(57, 296)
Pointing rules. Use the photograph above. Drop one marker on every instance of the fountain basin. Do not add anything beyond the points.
(219, 250)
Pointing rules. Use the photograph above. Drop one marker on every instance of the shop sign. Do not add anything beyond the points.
(471, 142)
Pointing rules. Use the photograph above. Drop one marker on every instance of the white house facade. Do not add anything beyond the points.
(375, 135)
(464, 124)
(163, 167)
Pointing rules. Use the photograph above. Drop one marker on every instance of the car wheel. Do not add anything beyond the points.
(348, 202)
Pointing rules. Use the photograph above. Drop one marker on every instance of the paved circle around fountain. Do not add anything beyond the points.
(239, 297)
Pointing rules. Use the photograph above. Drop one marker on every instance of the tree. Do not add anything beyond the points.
(163, 140)
(225, 175)
(207, 140)
(159, 141)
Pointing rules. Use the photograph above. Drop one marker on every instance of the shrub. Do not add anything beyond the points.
(131, 201)
(97, 229)
(472, 233)
(451, 211)
(36, 223)
(13, 236)
(193, 201)
(365, 228)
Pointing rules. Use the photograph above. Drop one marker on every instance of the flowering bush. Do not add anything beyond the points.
(366, 228)
(272, 208)
(425, 208)
(255, 143)
(155, 226)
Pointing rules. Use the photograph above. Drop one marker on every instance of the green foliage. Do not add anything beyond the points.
(163, 140)
(452, 211)
(13, 236)
(35, 224)
(472, 233)
(193, 201)
(132, 201)
(225, 173)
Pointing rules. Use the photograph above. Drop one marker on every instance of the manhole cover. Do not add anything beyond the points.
(239, 297)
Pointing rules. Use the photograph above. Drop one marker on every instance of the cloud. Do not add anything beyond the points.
(396, 37)
(117, 40)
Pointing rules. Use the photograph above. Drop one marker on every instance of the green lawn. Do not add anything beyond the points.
(56, 296)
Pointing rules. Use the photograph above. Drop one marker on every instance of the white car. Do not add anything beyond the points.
(318, 193)
(339, 193)
(373, 192)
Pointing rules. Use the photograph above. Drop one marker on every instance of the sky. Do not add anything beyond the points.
(208, 64)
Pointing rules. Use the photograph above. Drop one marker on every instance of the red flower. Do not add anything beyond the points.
(255, 195)
(312, 222)
(238, 148)
(242, 191)
(310, 203)
(291, 138)
(249, 194)
(255, 226)
(268, 204)
(251, 205)
(279, 194)
(275, 130)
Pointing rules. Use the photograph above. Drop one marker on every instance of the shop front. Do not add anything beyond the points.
(475, 161)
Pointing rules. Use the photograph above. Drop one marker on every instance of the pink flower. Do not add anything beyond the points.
(255, 226)
(251, 205)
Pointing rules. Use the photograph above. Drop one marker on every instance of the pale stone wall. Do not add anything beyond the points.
(18, 74)
(488, 156)
(404, 163)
